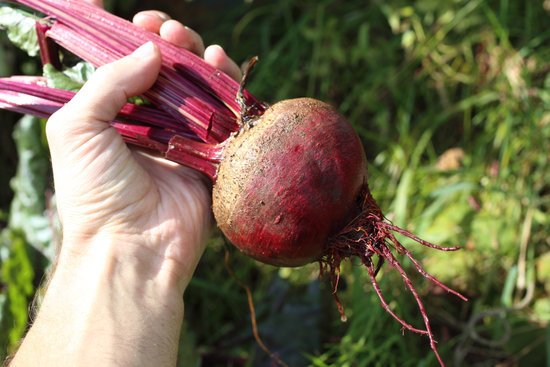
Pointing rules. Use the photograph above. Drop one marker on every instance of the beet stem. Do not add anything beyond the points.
(248, 112)
(178, 96)
(16, 102)
(138, 125)
(36, 86)
(188, 85)
(220, 84)
(49, 51)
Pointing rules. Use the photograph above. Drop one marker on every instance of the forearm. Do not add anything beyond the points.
(117, 300)
(107, 307)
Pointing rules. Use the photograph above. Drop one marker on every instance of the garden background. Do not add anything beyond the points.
(452, 101)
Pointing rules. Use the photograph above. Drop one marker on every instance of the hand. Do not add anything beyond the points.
(134, 225)
(179, 35)
(104, 189)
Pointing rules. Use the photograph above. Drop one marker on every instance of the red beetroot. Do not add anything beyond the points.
(289, 182)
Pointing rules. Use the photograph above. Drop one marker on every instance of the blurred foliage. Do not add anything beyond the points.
(452, 101)
(26, 242)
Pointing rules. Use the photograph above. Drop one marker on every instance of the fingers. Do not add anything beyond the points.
(170, 30)
(150, 20)
(101, 98)
(216, 56)
(182, 36)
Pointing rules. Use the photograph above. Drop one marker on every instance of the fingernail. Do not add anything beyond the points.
(163, 16)
(144, 50)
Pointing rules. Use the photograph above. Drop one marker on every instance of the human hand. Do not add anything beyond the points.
(134, 225)
(106, 190)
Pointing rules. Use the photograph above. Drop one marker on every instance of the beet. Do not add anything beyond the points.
(291, 188)
(289, 181)
(288, 184)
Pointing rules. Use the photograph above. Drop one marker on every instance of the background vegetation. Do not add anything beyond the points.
(452, 101)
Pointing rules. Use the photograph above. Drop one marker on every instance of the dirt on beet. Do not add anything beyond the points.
(289, 183)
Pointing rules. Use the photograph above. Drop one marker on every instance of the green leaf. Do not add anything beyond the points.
(17, 275)
(188, 355)
(20, 27)
(28, 225)
(402, 198)
(541, 308)
(543, 270)
(69, 79)
(30, 185)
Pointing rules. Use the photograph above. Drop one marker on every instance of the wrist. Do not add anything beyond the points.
(168, 257)
(101, 300)
(131, 259)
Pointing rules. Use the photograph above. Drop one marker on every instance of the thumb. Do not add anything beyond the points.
(88, 156)
(102, 97)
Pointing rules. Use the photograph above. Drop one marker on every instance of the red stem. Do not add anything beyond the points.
(25, 95)
(183, 100)
(200, 101)
(188, 86)
(36, 86)
(17, 102)
(202, 157)
(218, 83)
(49, 51)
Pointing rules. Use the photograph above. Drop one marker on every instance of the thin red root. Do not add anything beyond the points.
(391, 227)
(369, 234)
(393, 262)
(421, 270)
(333, 270)
(255, 332)
(386, 307)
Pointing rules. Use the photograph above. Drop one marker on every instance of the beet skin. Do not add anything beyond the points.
(288, 184)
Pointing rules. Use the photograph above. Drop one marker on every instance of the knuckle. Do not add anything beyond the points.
(105, 72)
(60, 127)
(55, 124)
(162, 15)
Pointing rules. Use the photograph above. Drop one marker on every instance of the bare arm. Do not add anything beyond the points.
(134, 227)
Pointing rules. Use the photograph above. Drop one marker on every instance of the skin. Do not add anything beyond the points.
(286, 216)
(134, 226)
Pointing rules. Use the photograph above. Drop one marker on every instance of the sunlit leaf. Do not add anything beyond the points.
(17, 275)
(30, 185)
(70, 78)
(20, 27)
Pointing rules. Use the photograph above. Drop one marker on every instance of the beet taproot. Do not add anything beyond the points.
(289, 181)
(288, 184)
